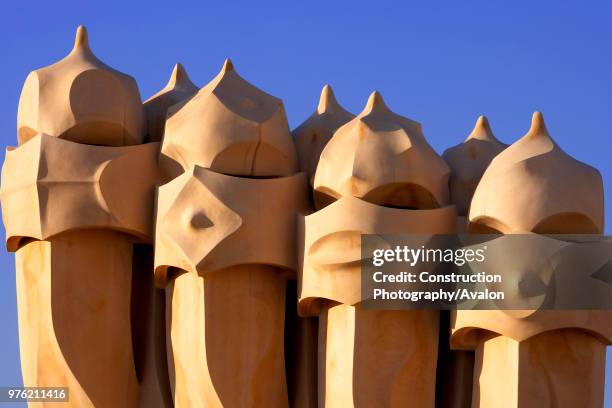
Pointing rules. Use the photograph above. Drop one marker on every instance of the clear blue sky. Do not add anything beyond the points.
(440, 64)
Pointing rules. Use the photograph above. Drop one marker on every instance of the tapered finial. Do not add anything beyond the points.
(228, 66)
(537, 122)
(482, 130)
(178, 72)
(179, 76)
(81, 39)
(538, 126)
(327, 101)
(375, 103)
(483, 123)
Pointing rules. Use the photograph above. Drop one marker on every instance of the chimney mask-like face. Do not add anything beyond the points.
(51, 186)
(527, 281)
(539, 289)
(230, 127)
(382, 158)
(81, 99)
(372, 173)
(332, 245)
(562, 272)
(534, 186)
(207, 221)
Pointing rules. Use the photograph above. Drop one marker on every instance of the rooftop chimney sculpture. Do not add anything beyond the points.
(377, 174)
(159, 245)
(536, 358)
(467, 161)
(225, 243)
(178, 88)
(312, 135)
(76, 195)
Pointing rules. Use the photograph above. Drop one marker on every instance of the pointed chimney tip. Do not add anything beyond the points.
(178, 73)
(81, 39)
(482, 124)
(228, 66)
(538, 126)
(327, 101)
(482, 130)
(375, 103)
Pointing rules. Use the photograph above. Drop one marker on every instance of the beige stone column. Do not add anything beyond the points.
(536, 358)
(311, 137)
(74, 261)
(468, 162)
(72, 212)
(148, 304)
(225, 243)
(376, 175)
(75, 332)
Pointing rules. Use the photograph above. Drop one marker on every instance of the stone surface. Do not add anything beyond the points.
(230, 127)
(371, 357)
(383, 158)
(81, 99)
(178, 89)
(50, 186)
(164, 274)
(73, 298)
(225, 243)
(468, 161)
(535, 187)
(314, 133)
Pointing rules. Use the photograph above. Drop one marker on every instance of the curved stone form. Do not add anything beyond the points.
(527, 189)
(51, 186)
(220, 354)
(332, 246)
(378, 159)
(562, 368)
(468, 162)
(178, 88)
(235, 239)
(536, 358)
(314, 133)
(311, 137)
(208, 221)
(72, 213)
(471, 327)
(230, 127)
(73, 294)
(78, 202)
(225, 243)
(353, 341)
(81, 99)
(372, 358)
(382, 158)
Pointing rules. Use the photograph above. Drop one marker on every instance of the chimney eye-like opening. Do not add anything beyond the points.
(324, 197)
(487, 225)
(408, 196)
(566, 223)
